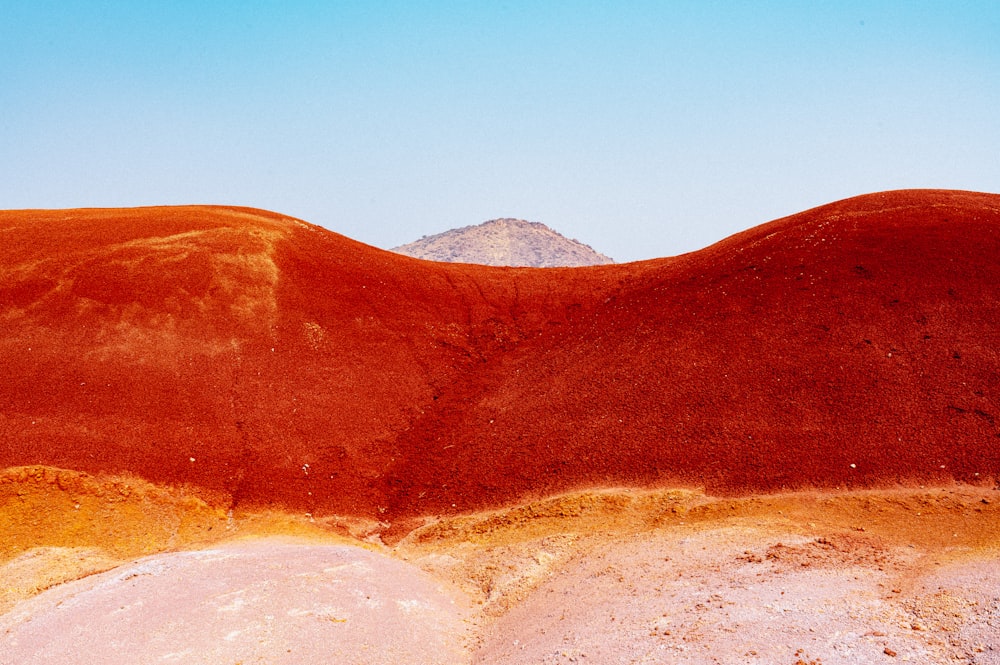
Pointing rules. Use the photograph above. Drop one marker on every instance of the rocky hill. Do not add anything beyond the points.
(505, 242)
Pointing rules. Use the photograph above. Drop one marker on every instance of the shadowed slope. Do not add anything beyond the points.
(259, 356)
(853, 345)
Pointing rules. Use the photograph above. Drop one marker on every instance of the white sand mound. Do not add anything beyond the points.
(260, 602)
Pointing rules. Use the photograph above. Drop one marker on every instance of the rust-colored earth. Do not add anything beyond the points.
(782, 448)
(255, 356)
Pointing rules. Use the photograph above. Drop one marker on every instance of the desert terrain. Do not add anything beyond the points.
(231, 436)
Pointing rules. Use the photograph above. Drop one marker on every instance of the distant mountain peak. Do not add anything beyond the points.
(505, 242)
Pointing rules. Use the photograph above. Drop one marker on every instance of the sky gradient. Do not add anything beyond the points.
(644, 129)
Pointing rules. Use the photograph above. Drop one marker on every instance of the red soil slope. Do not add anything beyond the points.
(250, 354)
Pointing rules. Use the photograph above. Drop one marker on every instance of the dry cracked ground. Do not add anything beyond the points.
(132, 573)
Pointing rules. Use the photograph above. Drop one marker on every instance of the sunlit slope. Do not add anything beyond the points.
(239, 350)
(247, 353)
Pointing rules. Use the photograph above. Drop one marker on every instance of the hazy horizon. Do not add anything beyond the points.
(642, 131)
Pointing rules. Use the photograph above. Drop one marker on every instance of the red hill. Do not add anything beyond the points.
(255, 355)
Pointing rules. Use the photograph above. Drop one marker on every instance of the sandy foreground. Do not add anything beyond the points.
(143, 574)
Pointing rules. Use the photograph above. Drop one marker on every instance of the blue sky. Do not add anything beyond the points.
(644, 129)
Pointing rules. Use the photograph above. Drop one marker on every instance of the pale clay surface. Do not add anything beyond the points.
(608, 578)
(705, 598)
(262, 602)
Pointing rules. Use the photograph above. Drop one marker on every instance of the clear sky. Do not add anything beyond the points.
(644, 129)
